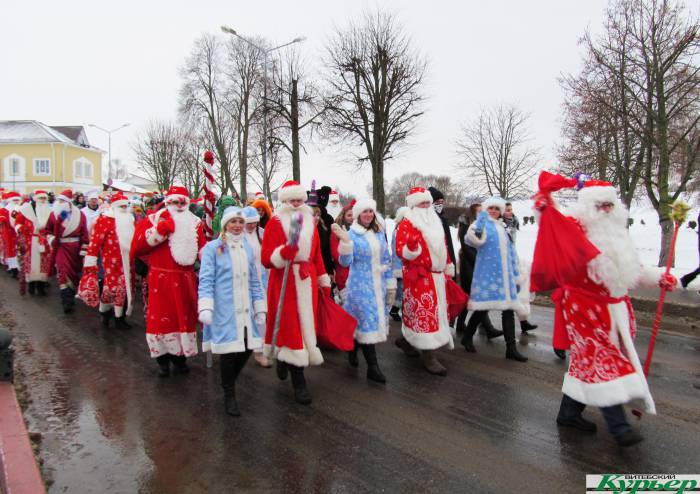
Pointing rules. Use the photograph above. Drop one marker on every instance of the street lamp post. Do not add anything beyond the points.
(265, 52)
(109, 149)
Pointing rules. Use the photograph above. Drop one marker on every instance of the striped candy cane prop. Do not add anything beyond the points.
(209, 198)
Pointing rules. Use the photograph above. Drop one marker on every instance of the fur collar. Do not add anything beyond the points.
(183, 241)
(71, 224)
(357, 228)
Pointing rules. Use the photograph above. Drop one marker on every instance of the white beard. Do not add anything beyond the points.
(618, 266)
(428, 222)
(59, 207)
(124, 224)
(284, 212)
(183, 241)
(334, 211)
(43, 211)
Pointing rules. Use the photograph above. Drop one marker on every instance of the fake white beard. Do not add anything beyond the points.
(43, 211)
(59, 206)
(183, 241)
(429, 224)
(618, 266)
(124, 223)
(334, 210)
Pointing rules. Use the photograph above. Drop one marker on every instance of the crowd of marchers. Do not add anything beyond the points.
(255, 286)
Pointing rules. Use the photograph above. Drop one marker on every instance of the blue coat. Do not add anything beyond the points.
(370, 276)
(396, 262)
(229, 285)
(496, 272)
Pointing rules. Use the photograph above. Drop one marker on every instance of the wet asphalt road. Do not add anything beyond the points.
(110, 425)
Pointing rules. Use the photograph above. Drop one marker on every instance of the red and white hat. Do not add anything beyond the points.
(418, 195)
(594, 191)
(119, 199)
(11, 195)
(40, 194)
(363, 205)
(291, 190)
(259, 195)
(65, 195)
(333, 196)
(177, 192)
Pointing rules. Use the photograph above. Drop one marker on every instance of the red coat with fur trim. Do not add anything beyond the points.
(425, 321)
(171, 319)
(296, 339)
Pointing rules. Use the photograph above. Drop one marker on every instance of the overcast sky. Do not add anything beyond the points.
(79, 62)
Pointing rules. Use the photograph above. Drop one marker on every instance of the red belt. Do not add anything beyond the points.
(304, 269)
(414, 272)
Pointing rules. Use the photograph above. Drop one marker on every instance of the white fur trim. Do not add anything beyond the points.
(235, 346)
(260, 306)
(441, 337)
(400, 214)
(276, 258)
(499, 202)
(205, 304)
(450, 270)
(324, 281)
(299, 358)
(428, 223)
(172, 343)
(183, 242)
(125, 233)
(649, 276)
(345, 248)
(71, 224)
(291, 192)
(391, 284)
(284, 215)
(363, 205)
(154, 238)
(398, 273)
(472, 240)
(105, 307)
(90, 261)
(606, 394)
(410, 255)
(513, 305)
(412, 200)
(598, 193)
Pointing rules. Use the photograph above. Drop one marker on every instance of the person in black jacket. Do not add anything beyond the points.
(324, 227)
(467, 259)
(438, 205)
(686, 279)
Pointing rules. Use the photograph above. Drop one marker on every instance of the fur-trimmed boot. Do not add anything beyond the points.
(374, 373)
(301, 393)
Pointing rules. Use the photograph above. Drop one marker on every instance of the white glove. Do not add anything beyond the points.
(340, 232)
(260, 319)
(206, 317)
(390, 296)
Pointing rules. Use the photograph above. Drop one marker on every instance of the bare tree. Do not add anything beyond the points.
(160, 151)
(375, 77)
(191, 172)
(496, 154)
(269, 178)
(296, 102)
(204, 95)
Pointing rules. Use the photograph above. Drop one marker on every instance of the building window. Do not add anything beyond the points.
(82, 169)
(42, 166)
(15, 167)
(78, 169)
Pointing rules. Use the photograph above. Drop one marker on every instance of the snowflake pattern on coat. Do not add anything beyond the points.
(370, 276)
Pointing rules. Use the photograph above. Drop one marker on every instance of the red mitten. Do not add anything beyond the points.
(668, 282)
(413, 242)
(326, 291)
(165, 227)
(289, 252)
(89, 290)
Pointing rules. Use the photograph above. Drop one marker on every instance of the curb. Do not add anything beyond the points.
(19, 473)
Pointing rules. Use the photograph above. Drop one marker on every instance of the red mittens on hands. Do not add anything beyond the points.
(413, 242)
(289, 252)
(165, 227)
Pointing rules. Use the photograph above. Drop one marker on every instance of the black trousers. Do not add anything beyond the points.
(614, 416)
(231, 366)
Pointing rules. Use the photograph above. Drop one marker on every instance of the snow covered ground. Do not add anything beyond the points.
(646, 237)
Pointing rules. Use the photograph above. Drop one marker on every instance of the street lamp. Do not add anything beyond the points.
(109, 149)
(265, 52)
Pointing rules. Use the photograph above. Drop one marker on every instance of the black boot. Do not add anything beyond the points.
(394, 313)
(461, 321)
(526, 326)
(41, 287)
(508, 321)
(301, 394)
(32, 287)
(163, 365)
(180, 364)
(14, 272)
(490, 330)
(121, 323)
(559, 353)
(282, 369)
(352, 356)
(374, 373)
(468, 337)
(229, 373)
(106, 317)
(66, 302)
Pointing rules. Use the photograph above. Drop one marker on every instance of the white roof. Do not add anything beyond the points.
(127, 187)
(31, 132)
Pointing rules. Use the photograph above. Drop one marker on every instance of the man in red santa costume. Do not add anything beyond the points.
(111, 239)
(171, 239)
(592, 259)
(8, 213)
(70, 240)
(420, 243)
(36, 258)
(334, 207)
(296, 339)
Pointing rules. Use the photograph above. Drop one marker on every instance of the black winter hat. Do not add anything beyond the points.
(437, 195)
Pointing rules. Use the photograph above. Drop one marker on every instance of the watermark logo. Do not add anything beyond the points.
(642, 483)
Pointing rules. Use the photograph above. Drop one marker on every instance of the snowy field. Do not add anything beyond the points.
(646, 237)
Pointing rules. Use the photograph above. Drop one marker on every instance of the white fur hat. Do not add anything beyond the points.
(400, 213)
(230, 213)
(590, 194)
(251, 214)
(495, 201)
(363, 205)
(418, 195)
(291, 190)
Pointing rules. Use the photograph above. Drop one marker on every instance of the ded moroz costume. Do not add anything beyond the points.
(36, 258)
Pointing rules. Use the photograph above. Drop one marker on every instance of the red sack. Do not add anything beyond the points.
(457, 299)
(335, 328)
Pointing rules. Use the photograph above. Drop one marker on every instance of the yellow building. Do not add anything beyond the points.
(36, 156)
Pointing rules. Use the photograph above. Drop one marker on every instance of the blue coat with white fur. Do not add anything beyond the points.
(496, 272)
(370, 276)
(230, 287)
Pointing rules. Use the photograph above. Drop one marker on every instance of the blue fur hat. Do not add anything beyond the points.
(251, 214)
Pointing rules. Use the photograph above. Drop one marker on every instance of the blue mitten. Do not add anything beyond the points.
(63, 215)
(481, 221)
